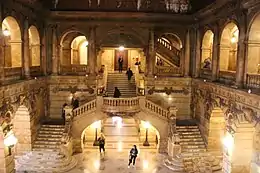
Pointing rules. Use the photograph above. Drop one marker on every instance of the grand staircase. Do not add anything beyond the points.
(194, 156)
(127, 88)
(46, 155)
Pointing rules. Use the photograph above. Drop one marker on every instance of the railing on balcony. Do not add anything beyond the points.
(35, 71)
(168, 71)
(74, 69)
(227, 77)
(172, 55)
(253, 80)
(154, 108)
(13, 73)
(206, 73)
(118, 105)
(86, 108)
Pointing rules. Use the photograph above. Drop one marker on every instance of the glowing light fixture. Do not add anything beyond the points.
(147, 125)
(10, 140)
(85, 43)
(233, 39)
(6, 32)
(249, 91)
(121, 48)
(228, 142)
(96, 124)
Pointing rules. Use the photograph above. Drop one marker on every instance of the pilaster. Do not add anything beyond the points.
(151, 54)
(54, 51)
(198, 53)
(187, 54)
(215, 54)
(26, 54)
(92, 56)
(43, 53)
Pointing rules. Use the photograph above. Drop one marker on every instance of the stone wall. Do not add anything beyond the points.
(63, 88)
(168, 92)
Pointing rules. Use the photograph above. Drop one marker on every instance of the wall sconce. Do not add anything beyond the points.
(233, 39)
(10, 140)
(6, 32)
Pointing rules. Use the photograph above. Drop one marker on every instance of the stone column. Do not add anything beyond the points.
(2, 55)
(26, 53)
(92, 57)
(215, 54)
(43, 53)
(198, 53)
(54, 51)
(241, 56)
(151, 54)
(187, 55)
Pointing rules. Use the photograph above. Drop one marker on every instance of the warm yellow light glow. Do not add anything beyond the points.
(145, 164)
(85, 44)
(228, 142)
(170, 99)
(121, 48)
(6, 32)
(119, 146)
(233, 39)
(97, 164)
(10, 139)
(147, 125)
(71, 96)
(96, 124)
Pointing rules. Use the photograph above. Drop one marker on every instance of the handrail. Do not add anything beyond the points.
(74, 69)
(154, 108)
(169, 71)
(121, 104)
(253, 80)
(86, 108)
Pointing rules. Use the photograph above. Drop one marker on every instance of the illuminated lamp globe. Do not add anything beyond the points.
(10, 140)
(6, 32)
(121, 48)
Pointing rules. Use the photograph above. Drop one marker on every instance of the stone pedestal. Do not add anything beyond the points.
(174, 149)
(77, 146)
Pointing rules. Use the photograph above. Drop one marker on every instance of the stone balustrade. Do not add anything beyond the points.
(117, 105)
(253, 80)
(168, 71)
(35, 71)
(86, 108)
(74, 70)
(154, 108)
(13, 73)
(227, 77)
(206, 73)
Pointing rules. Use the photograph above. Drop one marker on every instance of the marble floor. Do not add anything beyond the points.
(148, 161)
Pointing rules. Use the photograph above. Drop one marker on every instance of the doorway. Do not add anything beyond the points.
(124, 55)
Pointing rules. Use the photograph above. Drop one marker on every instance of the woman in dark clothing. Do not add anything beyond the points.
(117, 93)
(101, 143)
(129, 73)
(75, 104)
(132, 156)
(120, 63)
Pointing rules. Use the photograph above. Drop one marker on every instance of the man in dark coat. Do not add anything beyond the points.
(120, 63)
(129, 73)
(117, 93)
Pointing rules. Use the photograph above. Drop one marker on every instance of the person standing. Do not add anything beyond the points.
(101, 143)
(132, 156)
(120, 63)
(129, 73)
(117, 93)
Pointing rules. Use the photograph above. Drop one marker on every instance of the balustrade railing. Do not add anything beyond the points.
(13, 73)
(86, 108)
(205, 73)
(114, 105)
(227, 77)
(253, 80)
(168, 71)
(74, 69)
(35, 71)
(154, 108)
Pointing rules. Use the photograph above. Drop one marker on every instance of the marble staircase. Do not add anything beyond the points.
(194, 157)
(127, 88)
(46, 155)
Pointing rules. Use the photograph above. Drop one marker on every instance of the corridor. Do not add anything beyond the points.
(148, 161)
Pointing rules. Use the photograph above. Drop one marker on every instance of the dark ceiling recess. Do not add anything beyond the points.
(200, 4)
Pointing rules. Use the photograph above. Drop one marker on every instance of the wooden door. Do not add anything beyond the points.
(124, 55)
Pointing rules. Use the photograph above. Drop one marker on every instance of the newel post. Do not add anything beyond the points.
(174, 147)
(68, 113)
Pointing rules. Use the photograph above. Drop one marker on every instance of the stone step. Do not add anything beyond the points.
(187, 130)
(190, 133)
(187, 127)
(193, 151)
(51, 139)
(193, 146)
(60, 129)
(53, 126)
(46, 146)
(46, 135)
(50, 132)
(192, 140)
(191, 143)
(43, 142)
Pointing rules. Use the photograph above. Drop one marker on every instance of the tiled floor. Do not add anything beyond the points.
(148, 161)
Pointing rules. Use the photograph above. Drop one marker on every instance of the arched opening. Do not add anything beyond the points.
(168, 50)
(228, 48)
(120, 136)
(207, 50)
(34, 46)
(12, 43)
(253, 58)
(79, 51)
